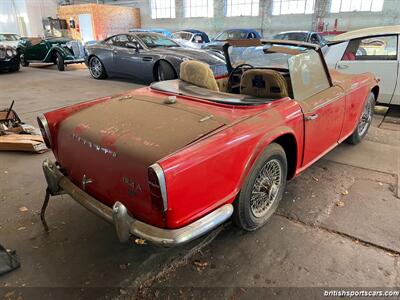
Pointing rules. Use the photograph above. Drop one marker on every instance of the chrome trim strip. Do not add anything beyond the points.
(124, 224)
(163, 187)
(45, 124)
(73, 61)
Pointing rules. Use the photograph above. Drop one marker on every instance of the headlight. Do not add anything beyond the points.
(14, 52)
(9, 52)
(69, 45)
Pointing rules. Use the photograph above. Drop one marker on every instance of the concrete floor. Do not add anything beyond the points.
(337, 224)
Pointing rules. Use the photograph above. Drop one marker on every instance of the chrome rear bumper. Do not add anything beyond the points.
(124, 224)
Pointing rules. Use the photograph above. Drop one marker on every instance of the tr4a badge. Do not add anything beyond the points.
(133, 187)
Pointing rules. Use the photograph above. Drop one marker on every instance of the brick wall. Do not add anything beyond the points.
(106, 19)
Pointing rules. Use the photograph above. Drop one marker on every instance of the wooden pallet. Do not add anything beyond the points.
(23, 142)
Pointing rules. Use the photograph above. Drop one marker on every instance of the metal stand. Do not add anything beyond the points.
(43, 210)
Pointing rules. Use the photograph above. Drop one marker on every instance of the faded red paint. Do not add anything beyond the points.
(208, 172)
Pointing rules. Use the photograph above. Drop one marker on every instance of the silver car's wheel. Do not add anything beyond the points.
(165, 71)
(266, 188)
(96, 68)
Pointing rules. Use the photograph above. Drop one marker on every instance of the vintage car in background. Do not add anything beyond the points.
(60, 51)
(191, 38)
(169, 162)
(373, 50)
(9, 59)
(146, 57)
(162, 31)
(231, 34)
(9, 39)
(303, 36)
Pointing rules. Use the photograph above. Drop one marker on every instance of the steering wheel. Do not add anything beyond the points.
(235, 70)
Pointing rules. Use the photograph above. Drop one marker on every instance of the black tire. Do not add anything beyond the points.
(165, 71)
(23, 61)
(96, 68)
(60, 62)
(365, 121)
(247, 212)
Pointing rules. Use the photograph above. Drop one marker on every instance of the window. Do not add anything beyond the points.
(156, 40)
(118, 40)
(356, 5)
(308, 75)
(162, 9)
(236, 8)
(198, 8)
(287, 7)
(374, 48)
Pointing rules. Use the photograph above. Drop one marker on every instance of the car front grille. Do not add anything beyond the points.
(2, 52)
(78, 49)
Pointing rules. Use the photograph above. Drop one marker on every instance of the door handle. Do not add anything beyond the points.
(311, 117)
(342, 66)
(147, 59)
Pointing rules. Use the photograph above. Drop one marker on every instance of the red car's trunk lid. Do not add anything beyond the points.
(113, 143)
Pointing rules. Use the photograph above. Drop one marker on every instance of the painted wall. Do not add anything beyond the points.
(25, 16)
(265, 22)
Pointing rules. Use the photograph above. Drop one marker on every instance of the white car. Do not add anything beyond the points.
(375, 50)
(191, 38)
(9, 39)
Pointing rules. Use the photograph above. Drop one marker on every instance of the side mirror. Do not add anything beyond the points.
(133, 45)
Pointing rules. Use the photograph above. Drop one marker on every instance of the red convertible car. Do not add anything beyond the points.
(169, 162)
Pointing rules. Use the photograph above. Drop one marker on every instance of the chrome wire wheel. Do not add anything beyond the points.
(96, 68)
(366, 118)
(266, 188)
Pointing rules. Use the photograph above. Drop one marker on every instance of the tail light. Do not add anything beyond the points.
(44, 129)
(158, 190)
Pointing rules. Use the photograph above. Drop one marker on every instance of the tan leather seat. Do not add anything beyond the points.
(268, 84)
(199, 74)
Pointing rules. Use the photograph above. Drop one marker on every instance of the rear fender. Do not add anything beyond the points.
(263, 143)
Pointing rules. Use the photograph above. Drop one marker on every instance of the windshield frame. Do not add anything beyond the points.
(182, 32)
(283, 43)
(15, 37)
(229, 31)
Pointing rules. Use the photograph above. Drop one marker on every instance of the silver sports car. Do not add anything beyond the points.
(145, 56)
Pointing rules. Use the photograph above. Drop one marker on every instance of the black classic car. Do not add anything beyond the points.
(60, 51)
(9, 59)
(145, 56)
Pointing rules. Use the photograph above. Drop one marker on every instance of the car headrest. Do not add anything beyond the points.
(199, 74)
(264, 83)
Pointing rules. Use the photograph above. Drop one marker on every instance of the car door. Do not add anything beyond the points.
(37, 51)
(378, 55)
(323, 104)
(126, 60)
